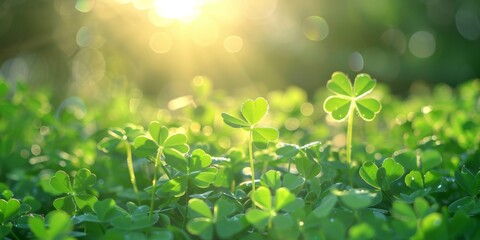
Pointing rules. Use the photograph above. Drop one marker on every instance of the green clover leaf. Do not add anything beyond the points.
(253, 111)
(203, 223)
(349, 98)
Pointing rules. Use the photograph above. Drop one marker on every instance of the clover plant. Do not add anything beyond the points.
(348, 99)
(253, 111)
(157, 144)
(78, 194)
(126, 137)
(224, 219)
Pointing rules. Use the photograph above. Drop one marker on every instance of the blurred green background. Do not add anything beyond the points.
(88, 47)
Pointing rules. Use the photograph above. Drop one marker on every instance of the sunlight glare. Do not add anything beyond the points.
(182, 10)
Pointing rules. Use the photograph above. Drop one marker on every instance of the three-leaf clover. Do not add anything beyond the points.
(252, 113)
(77, 194)
(158, 144)
(202, 221)
(197, 171)
(270, 207)
(56, 225)
(348, 98)
(381, 178)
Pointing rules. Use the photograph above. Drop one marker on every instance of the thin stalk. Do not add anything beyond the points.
(349, 143)
(186, 199)
(232, 186)
(130, 167)
(154, 183)
(14, 235)
(250, 153)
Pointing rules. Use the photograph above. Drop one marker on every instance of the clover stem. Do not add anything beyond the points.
(14, 235)
(130, 167)
(349, 143)
(154, 183)
(289, 165)
(250, 153)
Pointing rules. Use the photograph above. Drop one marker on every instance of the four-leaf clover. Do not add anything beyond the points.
(348, 98)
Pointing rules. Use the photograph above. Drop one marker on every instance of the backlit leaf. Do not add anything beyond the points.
(199, 160)
(367, 108)
(258, 218)
(202, 227)
(337, 107)
(340, 84)
(264, 134)
(363, 84)
(83, 180)
(61, 182)
(368, 172)
(175, 140)
(393, 169)
(234, 121)
(37, 225)
(414, 180)
(8, 209)
(84, 200)
(283, 197)
(307, 168)
(254, 111)
(175, 159)
(60, 225)
(65, 204)
(262, 198)
(158, 132)
(145, 147)
(198, 208)
(203, 179)
(271, 179)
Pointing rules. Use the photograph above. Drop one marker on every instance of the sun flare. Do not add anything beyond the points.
(182, 10)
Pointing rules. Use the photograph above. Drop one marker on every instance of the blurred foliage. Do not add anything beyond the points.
(88, 48)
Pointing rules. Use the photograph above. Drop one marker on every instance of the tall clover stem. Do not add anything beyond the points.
(130, 167)
(349, 143)
(154, 182)
(250, 153)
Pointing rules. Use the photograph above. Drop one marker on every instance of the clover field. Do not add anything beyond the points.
(351, 162)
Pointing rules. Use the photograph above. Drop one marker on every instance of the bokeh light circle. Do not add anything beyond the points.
(355, 61)
(233, 44)
(468, 23)
(422, 44)
(161, 42)
(315, 28)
